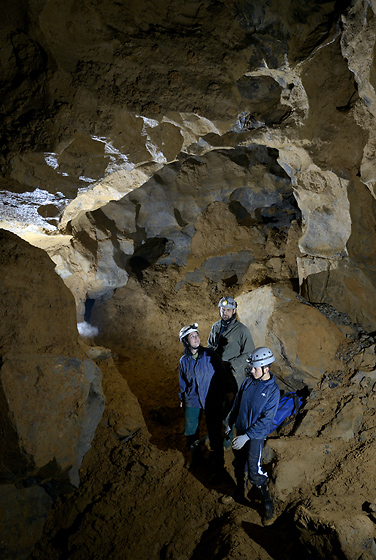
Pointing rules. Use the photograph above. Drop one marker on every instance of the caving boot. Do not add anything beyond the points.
(269, 511)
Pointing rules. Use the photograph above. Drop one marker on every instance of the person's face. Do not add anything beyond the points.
(226, 313)
(258, 373)
(193, 340)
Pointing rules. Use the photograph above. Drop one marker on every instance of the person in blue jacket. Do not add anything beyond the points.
(252, 413)
(204, 388)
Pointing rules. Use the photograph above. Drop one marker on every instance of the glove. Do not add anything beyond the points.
(228, 432)
(239, 441)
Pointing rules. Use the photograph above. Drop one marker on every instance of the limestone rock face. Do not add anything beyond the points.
(39, 311)
(267, 109)
(303, 340)
(51, 398)
(200, 213)
(346, 286)
(51, 406)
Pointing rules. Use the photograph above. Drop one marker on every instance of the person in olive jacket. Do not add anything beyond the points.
(231, 340)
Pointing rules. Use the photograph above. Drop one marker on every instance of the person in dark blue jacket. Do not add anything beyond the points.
(204, 387)
(253, 412)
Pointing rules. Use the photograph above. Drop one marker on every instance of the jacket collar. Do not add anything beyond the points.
(187, 351)
(226, 324)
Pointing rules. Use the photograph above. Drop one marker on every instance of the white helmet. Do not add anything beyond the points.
(185, 331)
(228, 302)
(261, 357)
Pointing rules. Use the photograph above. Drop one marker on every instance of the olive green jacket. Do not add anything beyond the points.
(233, 346)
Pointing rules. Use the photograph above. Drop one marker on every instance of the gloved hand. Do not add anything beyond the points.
(239, 441)
(228, 432)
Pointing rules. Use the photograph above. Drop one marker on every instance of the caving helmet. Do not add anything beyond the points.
(260, 357)
(228, 302)
(185, 331)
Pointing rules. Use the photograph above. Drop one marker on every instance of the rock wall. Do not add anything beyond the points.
(51, 398)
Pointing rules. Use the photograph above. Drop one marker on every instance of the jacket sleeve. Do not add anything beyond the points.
(182, 381)
(260, 428)
(212, 343)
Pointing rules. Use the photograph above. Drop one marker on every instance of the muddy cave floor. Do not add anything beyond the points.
(138, 501)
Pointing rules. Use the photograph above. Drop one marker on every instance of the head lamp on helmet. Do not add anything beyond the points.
(185, 331)
(260, 357)
(228, 302)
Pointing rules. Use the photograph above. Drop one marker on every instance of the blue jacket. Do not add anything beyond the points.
(254, 407)
(203, 381)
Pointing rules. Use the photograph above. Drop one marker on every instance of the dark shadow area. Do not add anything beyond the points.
(14, 463)
(280, 540)
(203, 469)
(231, 281)
(242, 215)
(210, 545)
(145, 255)
(89, 304)
(160, 406)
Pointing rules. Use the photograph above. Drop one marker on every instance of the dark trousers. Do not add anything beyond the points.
(248, 460)
(213, 417)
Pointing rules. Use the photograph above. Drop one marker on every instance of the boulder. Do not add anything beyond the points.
(304, 341)
(344, 537)
(346, 285)
(356, 536)
(301, 464)
(50, 409)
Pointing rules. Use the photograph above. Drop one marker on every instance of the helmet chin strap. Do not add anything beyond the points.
(264, 372)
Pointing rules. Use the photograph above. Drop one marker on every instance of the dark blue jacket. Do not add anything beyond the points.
(203, 381)
(254, 407)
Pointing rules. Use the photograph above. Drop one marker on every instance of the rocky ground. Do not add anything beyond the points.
(137, 501)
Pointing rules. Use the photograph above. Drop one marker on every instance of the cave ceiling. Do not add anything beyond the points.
(123, 123)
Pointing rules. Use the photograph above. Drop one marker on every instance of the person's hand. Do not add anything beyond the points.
(228, 432)
(239, 441)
